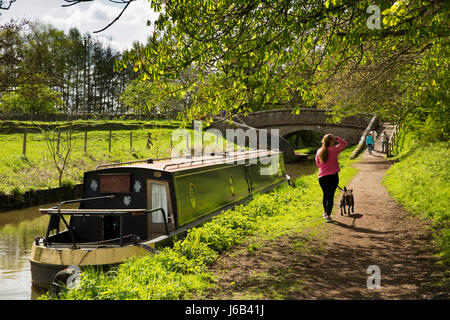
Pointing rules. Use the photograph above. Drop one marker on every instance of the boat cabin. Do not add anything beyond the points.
(142, 200)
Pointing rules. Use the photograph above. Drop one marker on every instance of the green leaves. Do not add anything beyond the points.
(31, 99)
(248, 51)
(396, 13)
(256, 55)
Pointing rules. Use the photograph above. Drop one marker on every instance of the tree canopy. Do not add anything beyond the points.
(388, 57)
(258, 54)
(75, 67)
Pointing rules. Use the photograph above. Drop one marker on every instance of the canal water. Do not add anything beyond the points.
(301, 168)
(19, 228)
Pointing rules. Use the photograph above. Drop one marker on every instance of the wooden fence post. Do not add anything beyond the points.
(58, 141)
(110, 138)
(149, 140)
(131, 140)
(24, 149)
(203, 145)
(217, 145)
(85, 141)
(187, 144)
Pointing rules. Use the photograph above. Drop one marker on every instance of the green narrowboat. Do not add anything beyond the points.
(131, 208)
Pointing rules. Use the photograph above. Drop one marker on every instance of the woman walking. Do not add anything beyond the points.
(326, 160)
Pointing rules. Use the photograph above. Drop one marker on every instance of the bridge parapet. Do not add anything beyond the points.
(273, 118)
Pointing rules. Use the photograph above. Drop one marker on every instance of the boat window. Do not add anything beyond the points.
(193, 195)
(231, 182)
(159, 200)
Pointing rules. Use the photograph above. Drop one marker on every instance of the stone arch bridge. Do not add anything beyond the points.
(351, 128)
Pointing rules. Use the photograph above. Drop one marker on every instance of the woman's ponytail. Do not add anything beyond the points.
(327, 141)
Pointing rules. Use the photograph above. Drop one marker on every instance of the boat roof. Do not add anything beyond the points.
(183, 163)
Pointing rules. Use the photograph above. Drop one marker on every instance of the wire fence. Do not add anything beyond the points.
(87, 141)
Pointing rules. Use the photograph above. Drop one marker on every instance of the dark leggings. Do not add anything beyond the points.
(328, 184)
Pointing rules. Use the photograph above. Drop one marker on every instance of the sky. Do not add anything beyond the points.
(89, 17)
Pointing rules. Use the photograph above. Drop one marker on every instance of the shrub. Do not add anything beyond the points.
(67, 183)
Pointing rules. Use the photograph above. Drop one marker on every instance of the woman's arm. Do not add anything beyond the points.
(341, 144)
(317, 158)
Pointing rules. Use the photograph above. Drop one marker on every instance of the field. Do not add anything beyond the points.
(38, 168)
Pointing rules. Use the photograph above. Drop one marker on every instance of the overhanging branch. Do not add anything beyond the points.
(6, 4)
(125, 2)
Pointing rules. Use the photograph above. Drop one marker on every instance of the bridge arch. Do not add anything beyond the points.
(351, 135)
(305, 140)
(319, 120)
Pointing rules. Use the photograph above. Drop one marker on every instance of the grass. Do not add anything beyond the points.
(36, 170)
(182, 271)
(420, 182)
(307, 150)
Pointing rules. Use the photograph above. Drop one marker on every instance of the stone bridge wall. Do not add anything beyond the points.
(351, 128)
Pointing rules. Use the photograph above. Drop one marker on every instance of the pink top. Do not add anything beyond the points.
(331, 166)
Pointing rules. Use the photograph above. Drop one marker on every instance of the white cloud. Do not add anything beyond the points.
(91, 16)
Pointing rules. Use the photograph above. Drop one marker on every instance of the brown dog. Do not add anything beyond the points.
(347, 200)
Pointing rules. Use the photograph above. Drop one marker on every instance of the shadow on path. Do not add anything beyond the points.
(359, 229)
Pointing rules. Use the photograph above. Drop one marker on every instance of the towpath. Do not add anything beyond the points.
(379, 233)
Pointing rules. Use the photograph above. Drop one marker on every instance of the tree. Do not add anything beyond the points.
(79, 67)
(31, 99)
(249, 54)
(258, 54)
(59, 149)
(402, 73)
(142, 97)
(12, 71)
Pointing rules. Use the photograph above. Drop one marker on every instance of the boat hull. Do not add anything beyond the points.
(47, 261)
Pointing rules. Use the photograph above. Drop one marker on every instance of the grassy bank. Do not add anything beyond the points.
(420, 181)
(182, 271)
(36, 170)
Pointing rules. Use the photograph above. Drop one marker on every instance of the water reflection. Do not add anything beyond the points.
(18, 229)
(302, 168)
